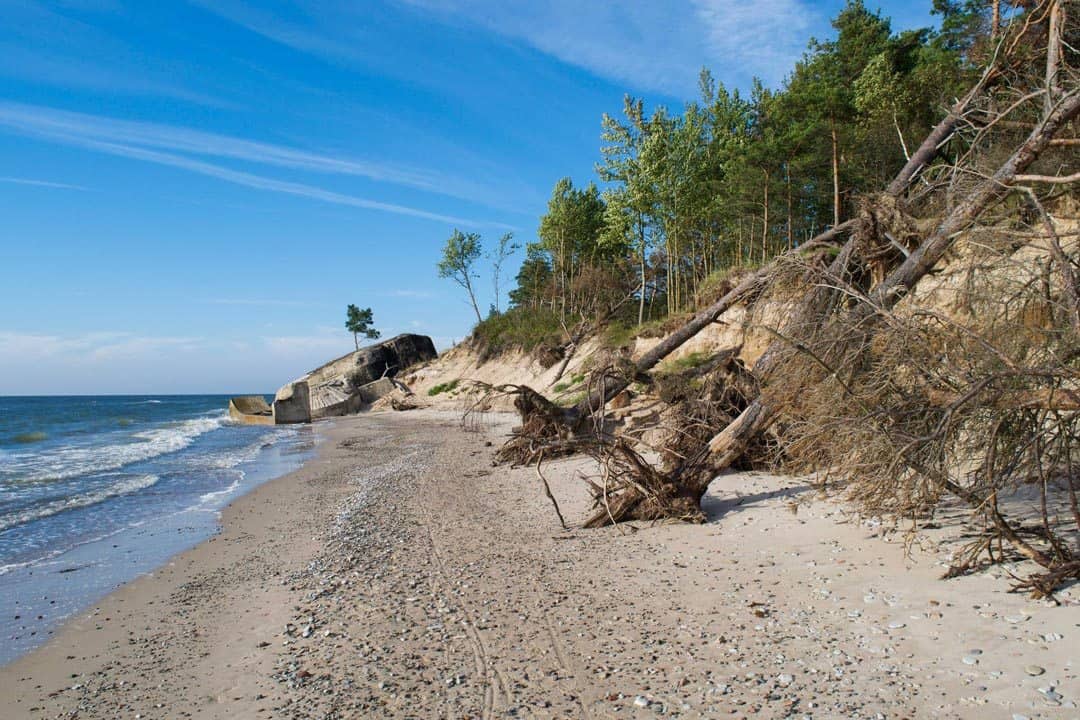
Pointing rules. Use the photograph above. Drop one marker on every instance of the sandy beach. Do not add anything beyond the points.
(399, 574)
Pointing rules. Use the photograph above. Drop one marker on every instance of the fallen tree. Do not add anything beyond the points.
(848, 312)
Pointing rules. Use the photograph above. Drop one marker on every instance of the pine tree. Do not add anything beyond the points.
(359, 322)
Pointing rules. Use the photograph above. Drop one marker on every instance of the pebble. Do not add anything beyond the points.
(783, 680)
(897, 625)
(970, 660)
(1052, 637)
(642, 702)
(1034, 670)
(1015, 619)
(1051, 696)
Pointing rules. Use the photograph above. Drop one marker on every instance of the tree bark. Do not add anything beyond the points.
(765, 225)
(641, 302)
(790, 226)
(672, 342)
(926, 152)
(835, 171)
(472, 297)
(732, 442)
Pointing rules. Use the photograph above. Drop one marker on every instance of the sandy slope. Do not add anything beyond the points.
(400, 575)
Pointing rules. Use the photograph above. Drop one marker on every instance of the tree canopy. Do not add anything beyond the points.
(458, 263)
(732, 180)
(360, 322)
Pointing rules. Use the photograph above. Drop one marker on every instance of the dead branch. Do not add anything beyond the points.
(1054, 179)
(547, 490)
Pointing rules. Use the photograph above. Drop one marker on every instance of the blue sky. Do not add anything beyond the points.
(192, 191)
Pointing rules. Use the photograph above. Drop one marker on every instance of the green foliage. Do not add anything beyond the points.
(443, 387)
(686, 362)
(728, 181)
(571, 400)
(533, 279)
(564, 386)
(503, 250)
(519, 328)
(570, 237)
(620, 334)
(360, 322)
(458, 263)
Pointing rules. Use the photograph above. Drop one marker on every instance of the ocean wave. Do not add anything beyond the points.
(74, 461)
(210, 497)
(54, 507)
(50, 557)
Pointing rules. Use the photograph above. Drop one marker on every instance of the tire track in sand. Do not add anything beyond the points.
(560, 653)
(483, 665)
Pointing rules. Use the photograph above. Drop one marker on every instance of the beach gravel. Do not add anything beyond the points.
(399, 574)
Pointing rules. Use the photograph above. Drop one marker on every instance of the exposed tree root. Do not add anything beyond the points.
(903, 405)
(1043, 585)
(630, 488)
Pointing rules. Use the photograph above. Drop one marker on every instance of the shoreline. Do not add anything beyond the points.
(45, 591)
(399, 574)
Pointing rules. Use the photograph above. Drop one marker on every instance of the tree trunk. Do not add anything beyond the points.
(732, 442)
(472, 298)
(835, 171)
(1053, 53)
(641, 302)
(705, 317)
(931, 145)
(765, 224)
(926, 152)
(790, 220)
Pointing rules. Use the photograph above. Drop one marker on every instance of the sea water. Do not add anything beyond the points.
(95, 491)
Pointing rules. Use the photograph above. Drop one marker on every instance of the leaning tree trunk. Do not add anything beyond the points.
(922, 157)
(730, 444)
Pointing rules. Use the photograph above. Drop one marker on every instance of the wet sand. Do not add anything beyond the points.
(399, 574)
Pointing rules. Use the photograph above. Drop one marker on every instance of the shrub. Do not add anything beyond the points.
(519, 328)
(686, 362)
(443, 387)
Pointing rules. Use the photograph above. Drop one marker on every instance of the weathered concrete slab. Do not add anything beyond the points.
(344, 385)
(292, 404)
(372, 391)
(251, 410)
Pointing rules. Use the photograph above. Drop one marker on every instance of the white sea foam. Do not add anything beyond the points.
(211, 497)
(74, 461)
(122, 487)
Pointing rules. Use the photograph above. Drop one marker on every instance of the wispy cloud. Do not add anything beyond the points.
(104, 135)
(306, 29)
(87, 347)
(657, 46)
(61, 44)
(49, 122)
(41, 183)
